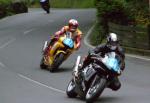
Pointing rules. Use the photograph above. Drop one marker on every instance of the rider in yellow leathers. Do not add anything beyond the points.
(71, 27)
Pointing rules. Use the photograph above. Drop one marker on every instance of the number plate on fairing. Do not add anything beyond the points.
(88, 72)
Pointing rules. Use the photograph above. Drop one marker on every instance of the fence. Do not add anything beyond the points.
(136, 37)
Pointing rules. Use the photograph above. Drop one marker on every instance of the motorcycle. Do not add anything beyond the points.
(46, 6)
(59, 52)
(95, 77)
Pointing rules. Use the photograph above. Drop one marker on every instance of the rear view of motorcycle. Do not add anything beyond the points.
(90, 81)
(45, 4)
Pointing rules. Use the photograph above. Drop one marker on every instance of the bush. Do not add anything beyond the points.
(66, 3)
(111, 11)
(7, 7)
(139, 9)
(95, 37)
(19, 7)
(4, 6)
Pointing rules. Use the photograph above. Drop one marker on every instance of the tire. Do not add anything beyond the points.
(42, 65)
(57, 62)
(96, 88)
(70, 91)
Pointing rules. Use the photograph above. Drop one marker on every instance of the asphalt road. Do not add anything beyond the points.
(21, 79)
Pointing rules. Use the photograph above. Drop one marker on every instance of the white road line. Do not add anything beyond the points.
(7, 43)
(1, 64)
(86, 42)
(138, 57)
(28, 31)
(41, 84)
(36, 82)
(50, 21)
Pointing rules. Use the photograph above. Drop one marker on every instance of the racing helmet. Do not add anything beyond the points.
(112, 41)
(73, 25)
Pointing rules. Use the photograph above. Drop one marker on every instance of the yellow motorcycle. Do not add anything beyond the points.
(58, 53)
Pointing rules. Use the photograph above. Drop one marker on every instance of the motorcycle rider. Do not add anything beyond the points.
(45, 3)
(112, 45)
(71, 27)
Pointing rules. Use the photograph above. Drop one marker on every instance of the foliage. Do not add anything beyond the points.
(5, 2)
(67, 3)
(9, 7)
(95, 37)
(111, 11)
(140, 11)
(72, 3)
(4, 7)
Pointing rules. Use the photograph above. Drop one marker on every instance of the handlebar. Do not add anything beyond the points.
(95, 56)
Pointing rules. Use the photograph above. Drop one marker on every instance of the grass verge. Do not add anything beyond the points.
(95, 38)
(67, 3)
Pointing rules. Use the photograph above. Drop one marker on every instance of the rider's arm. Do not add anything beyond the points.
(78, 40)
(60, 32)
(122, 54)
(99, 48)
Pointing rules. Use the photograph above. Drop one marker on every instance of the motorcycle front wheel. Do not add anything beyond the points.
(71, 89)
(42, 65)
(96, 88)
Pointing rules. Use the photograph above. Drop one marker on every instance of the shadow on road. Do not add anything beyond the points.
(107, 99)
(101, 99)
(60, 70)
(63, 69)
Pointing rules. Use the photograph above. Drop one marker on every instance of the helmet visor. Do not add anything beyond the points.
(73, 28)
(113, 43)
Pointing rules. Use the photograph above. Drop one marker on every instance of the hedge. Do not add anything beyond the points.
(7, 7)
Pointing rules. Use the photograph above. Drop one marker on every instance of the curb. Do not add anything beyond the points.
(86, 42)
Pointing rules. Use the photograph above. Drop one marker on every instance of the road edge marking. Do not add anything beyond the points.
(28, 31)
(7, 43)
(41, 84)
(86, 42)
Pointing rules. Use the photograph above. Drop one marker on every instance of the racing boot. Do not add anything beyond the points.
(114, 84)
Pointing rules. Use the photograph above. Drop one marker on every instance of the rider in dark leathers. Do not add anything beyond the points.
(45, 4)
(112, 45)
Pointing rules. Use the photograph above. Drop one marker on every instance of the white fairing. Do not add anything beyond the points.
(112, 54)
(111, 62)
(88, 72)
(45, 45)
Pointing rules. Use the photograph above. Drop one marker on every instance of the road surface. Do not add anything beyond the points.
(21, 79)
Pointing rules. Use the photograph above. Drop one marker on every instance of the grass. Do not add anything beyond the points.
(72, 3)
(68, 3)
(5, 1)
(95, 37)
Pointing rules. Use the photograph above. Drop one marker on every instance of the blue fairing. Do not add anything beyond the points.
(69, 42)
(112, 63)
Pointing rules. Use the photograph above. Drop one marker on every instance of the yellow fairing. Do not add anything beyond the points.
(57, 49)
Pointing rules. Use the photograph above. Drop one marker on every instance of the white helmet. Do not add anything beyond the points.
(112, 41)
(73, 25)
